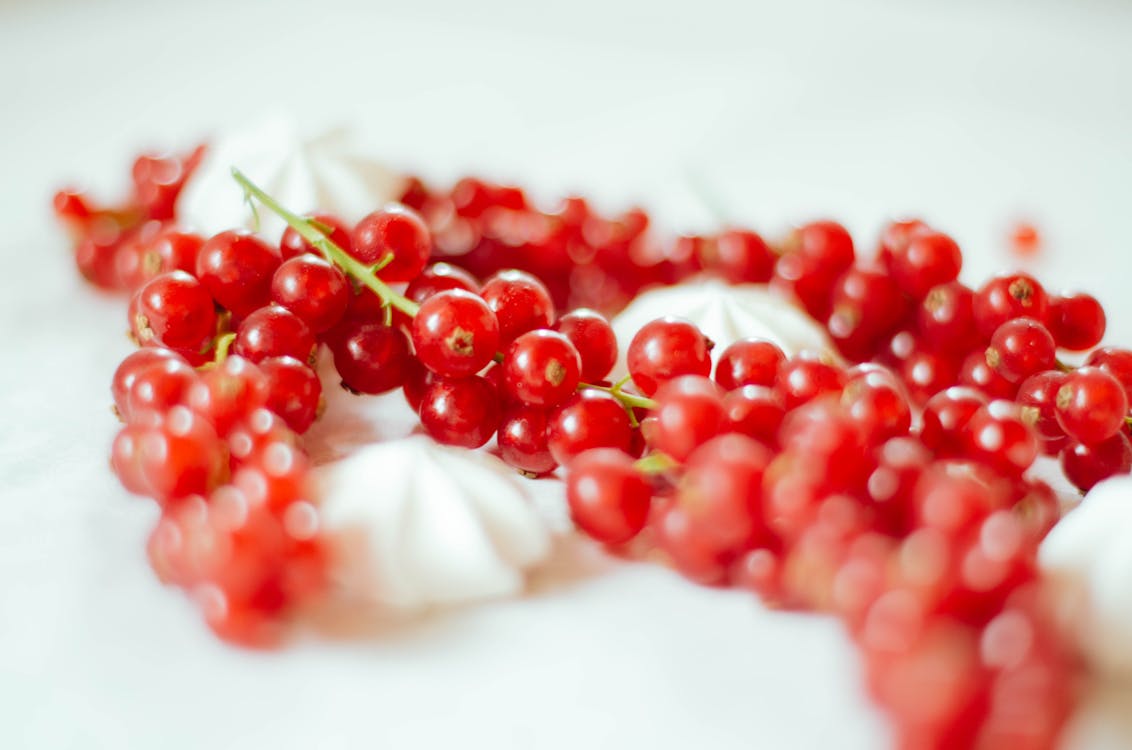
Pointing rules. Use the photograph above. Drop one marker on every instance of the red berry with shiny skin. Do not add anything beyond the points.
(523, 442)
(588, 419)
(755, 411)
(1021, 347)
(945, 318)
(594, 339)
(1085, 465)
(928, 259)
(371, 357)
(540, 368)
(173, 310)
(998, 436)
(804, 377)
(159, 386)
(738, 255)
(664, 349)
(721, 491)
(460, 411)
(520, 302)
(226, 394)
(171, 250)
(876, 400)
(976, 373)
(1091, 405)
(1117, 363)
(128, 370)
(292, 244)
(236, 268)
(1037, 395)
(608, 498)
(439, 277)
(748, 362)
(689, 412)
(1077, 322)
(455, 333)
(181, 457)
(273, 331)
(397, 232)
(1007, 297)
(945, 416)
(294, 391)
(312, 289)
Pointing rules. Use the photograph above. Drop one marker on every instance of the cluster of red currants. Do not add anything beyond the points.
(892, 493)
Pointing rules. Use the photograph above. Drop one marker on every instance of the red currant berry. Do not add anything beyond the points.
(371, 357)
(1085, 465)
(1091, 405)
(593, 337)
(292, 244)
(689, 411)
(236, 268)
(294, 391)
(1077, 322)
(738, 255)
(395, 232)
(945, 318)
(721, 491)
(928, 259)
(877, 402)
(1020, 348)
(522, 440)
(999, 437)
(867, 307)
(589, 419)
(460, 411)
(608, 498)
(976, 373)
(755, 411)
(455, 333)
(182, 457)
(128, 371)
(172, 250)
(665, 348)
(315, 291)
(228, 393)
(520, 302)
(900, 463)
(126, 458)
(273, 331)
(1006, 297)
(806, 376)
(945, 418)
(896, 235)
(439, 277)
(1037, 395)
(173, 310)
(1117, 363)
(160, 385)
(541, 368)
(748, 362)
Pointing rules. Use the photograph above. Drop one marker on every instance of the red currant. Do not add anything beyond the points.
(173, 310)
(395, 232)
(236, 268)
(460, 411)
(315, 291)
(455, 333)
(1091, 405)
(593, 337)
(608, 498)
(665, 348)
(520, 302)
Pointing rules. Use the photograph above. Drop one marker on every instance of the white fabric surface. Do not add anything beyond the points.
(970, 113)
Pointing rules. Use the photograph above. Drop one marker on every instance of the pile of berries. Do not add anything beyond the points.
(892, 492)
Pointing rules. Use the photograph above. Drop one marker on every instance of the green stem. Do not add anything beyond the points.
(655, 463)
(626, 399)
(310, 230)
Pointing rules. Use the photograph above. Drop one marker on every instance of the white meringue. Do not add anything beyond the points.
(725, 313)
(324, 172)
(415, 524)
(1088, 558)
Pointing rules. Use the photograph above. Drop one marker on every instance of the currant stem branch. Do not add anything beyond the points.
(312, 231)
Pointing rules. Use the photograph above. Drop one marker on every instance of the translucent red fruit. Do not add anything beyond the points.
(273, 331)
(173, 310)
(395, 232)
(236, 268)
(594, 339)
(455, 333)
(1091, 405)
(520, 302)
(689, 411)
(608, 498)
(371, 357)
(522, 440)
(1021, 347)
(664, 349)
(293, 245)
(312, 289)
(182, 456)
(294, 391)
(588, 419)
(1007, 297)
(460, 411)
(926, 260)
(1077, 321)
(748, 362)
(540, 368)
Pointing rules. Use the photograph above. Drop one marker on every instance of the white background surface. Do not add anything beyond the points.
(968, 113)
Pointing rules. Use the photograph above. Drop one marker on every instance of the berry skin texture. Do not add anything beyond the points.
(520, 302)
(593, 337)
(128, 371)
(182, 457)
(1077, 322)
(159, 386)
(395, 232)
(946, 318)
(748, 362)
(315, 291)
(589, 419)
(371, 357)
(460, 411)
(1091, 405)
(294, 391)
(175, 311)
(522, 440)
(689, 412)
(228, 393)
(1004, 298)
(1085, 465)
(1021, 347)
(541, 368)
(755, 411)
(664, 349)
(455, 333)
(927, 260)
(608, 498)
(946, 414)
(804, 377)
(1117, 363)
(439, 277)
(273, 331)
(1037, 395)
(999, 437)
(721, 491)
(236, 268)
(738, 255)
